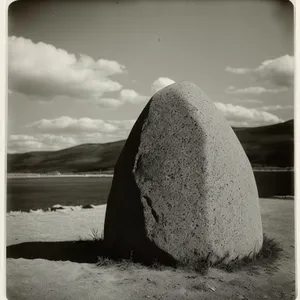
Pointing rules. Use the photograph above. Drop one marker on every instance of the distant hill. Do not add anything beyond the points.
(78, 159)
(268, 146)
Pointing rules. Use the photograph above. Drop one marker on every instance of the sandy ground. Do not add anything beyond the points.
(44, 279)
(61, 225)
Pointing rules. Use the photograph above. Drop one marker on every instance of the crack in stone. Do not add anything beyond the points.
(149, 203)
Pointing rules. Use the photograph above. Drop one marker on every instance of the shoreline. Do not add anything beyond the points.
(33, 175)
(10, 176)
(77, 208)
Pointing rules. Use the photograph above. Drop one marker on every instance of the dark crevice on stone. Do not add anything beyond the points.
(149, 203)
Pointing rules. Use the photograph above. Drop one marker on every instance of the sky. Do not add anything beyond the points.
(82, 71)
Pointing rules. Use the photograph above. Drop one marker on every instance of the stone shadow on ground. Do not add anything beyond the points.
(75, 251)
(94, 251)
(82, 251)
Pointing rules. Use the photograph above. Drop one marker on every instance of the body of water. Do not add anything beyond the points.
(24, 194)
(41, 192)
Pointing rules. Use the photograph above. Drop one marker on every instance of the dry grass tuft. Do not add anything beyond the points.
(266, 256)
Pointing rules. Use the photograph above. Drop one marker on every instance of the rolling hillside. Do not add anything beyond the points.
(268, 146)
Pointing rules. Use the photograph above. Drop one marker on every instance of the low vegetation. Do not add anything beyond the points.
(96, 235)
(269, 253)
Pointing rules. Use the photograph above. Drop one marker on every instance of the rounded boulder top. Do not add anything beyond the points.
(183, 187)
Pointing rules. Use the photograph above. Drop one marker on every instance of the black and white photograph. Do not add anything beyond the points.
(150, 150)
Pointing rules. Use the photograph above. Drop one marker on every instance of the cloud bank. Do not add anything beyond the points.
(70, 125)
(278, 71)
(42, 70)
(18, 143)
(131, 96)
(63, 132)
(125, 96)
(239, 116)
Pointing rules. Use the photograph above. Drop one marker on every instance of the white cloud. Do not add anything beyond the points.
(42, 70)
(65, 132)
(278, 71)
(276, 107)
(69, 125)
(125, 96)
(255, 90)
(40, 142)
(160, 83)
(249, 117)
(132, 96)
(49, 142)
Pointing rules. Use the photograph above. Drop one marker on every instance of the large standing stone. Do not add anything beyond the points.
(183, 186)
